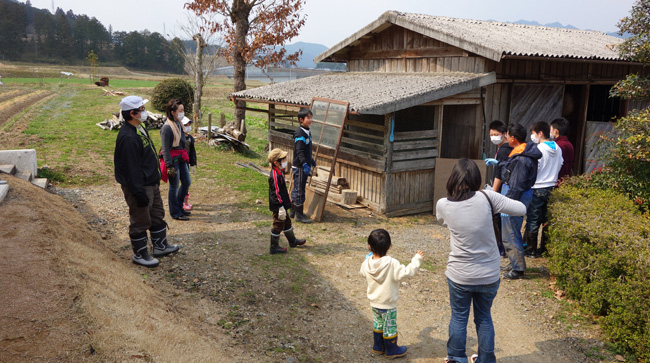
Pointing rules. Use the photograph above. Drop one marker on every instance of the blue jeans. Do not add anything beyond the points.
(461, 298)
(536, 215)
(511, 233)
(177, 193)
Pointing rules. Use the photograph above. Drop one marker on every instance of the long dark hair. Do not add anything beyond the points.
(172, 105)
(464, 181)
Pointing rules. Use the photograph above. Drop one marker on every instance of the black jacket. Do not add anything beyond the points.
(135, 159)
(278, 194)
(191, 151)
(520, 171)
(502, 155)
(302, 148)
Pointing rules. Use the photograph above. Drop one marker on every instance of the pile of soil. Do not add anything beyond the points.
(40, 314)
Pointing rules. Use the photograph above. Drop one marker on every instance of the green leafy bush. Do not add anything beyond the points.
(627, 160)
(173, 88)
(599, 246)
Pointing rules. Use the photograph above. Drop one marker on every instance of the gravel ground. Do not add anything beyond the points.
(310, 304)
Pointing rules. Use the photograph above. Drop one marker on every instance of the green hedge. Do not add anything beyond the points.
(173, 88)
(599, 246)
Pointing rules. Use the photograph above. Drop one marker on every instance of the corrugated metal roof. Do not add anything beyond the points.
(371, 93)
(493, 39)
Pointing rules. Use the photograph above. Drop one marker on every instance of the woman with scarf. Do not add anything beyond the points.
(176, 159)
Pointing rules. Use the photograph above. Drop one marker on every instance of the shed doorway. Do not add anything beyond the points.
(460, 131)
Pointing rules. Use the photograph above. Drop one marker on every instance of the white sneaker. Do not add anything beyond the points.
(474, 358)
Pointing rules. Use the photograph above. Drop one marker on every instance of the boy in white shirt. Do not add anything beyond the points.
(383, 274)
(548, 169)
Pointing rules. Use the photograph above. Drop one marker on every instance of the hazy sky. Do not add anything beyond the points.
(331, 21)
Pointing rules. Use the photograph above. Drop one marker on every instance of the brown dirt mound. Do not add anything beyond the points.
(41, 316)
(66, 296)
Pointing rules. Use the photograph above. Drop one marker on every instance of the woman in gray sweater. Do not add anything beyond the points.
(474, 262)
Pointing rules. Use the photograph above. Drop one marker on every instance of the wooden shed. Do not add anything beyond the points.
(424, 87)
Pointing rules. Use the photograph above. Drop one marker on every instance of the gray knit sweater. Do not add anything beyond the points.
(474, 258)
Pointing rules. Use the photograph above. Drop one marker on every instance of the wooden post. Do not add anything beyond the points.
(210, 126)
(222, 120)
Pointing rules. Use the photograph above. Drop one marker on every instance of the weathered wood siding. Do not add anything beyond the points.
(532, 103)
(396, 49)
(564, 70)
(411, 192)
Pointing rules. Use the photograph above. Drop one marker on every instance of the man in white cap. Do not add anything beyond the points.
(137, 169)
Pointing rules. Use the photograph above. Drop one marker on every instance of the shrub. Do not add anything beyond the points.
(599, 246)
(627, 160)
(173, 88)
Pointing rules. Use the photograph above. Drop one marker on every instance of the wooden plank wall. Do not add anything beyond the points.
(531, 103)
(559, 70)
(414, 150)
(411, 192)
(397, 50)
(497, 107)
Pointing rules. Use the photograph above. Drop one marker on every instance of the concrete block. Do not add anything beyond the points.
(23, 159)
(4, 188)
(25, 175)
(41, 182)
(8, 169)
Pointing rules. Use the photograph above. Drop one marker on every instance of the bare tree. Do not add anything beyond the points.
(201, 60)
(255, 33)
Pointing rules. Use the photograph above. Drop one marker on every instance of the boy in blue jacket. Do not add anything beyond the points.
(303, 162)
(279, 202)
(519, 175)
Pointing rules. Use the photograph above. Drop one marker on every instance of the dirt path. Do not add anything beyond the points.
(310, 304)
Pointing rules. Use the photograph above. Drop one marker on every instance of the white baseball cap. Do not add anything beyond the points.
(132, 103)
(186, 120)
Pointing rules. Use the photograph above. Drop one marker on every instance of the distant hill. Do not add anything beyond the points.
(309, 52)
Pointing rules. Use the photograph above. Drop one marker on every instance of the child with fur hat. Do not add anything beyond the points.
(383, 274)
(279, 202)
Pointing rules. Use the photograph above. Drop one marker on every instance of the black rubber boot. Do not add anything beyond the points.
(275, 245)
(293, 242)
(140, 252)
(159, 241)
(300, 216)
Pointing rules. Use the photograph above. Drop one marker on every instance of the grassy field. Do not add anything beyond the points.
(77, 152)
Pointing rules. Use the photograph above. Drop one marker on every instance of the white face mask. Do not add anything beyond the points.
(180, 116)
(284, 165)
(534, 138)
(496, 140)
(187, 129)
(143, 116)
